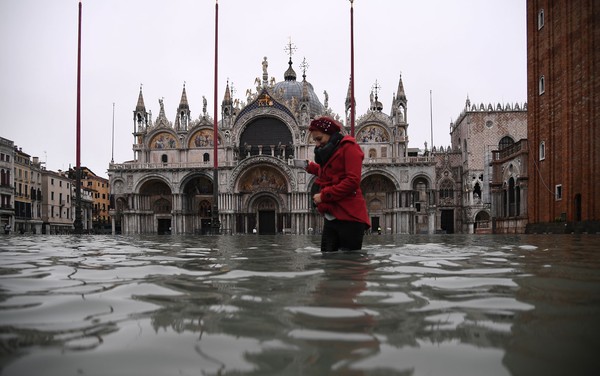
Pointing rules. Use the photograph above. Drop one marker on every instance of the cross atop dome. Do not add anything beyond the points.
(290, 48)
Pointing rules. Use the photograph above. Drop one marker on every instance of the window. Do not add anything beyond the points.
(540, 19)
(206, 157)
(542, 150)
(164, 158)
(542, 85)
(505, 142)
(446, 189)
(558, 192)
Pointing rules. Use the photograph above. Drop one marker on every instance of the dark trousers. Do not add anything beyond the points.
(342, 235)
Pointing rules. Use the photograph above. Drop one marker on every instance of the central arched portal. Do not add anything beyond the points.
(263, 188)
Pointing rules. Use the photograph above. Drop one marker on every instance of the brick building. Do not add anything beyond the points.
(563, 59)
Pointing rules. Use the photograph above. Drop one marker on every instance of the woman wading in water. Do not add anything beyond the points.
(338, 167)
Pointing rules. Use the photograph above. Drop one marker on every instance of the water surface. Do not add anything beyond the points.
(274, 305)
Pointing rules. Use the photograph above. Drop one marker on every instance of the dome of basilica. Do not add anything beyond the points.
(289, 89)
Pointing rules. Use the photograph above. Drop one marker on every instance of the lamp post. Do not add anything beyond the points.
(215, 224)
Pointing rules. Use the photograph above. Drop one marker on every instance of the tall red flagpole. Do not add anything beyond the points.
(215, 212)
(352, 107)
(77, 224)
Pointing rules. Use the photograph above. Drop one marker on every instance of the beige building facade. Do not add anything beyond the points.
(28, 193)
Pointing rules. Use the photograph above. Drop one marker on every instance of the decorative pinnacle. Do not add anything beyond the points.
(376, 87)
(304, 66)
(231, 88)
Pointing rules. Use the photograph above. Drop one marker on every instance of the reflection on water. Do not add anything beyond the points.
(274, 305)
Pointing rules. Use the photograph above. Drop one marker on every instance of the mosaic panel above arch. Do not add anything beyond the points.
(373, 133)
(377, 183)
(164, 140)
(203, 139)
(262, 178)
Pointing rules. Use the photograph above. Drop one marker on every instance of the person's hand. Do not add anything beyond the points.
(317, 198)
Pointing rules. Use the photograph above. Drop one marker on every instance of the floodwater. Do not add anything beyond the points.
(274, 305)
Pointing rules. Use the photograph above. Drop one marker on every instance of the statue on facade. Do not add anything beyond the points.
(265, 65)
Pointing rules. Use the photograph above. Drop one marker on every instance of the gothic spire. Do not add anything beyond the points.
(183, 103)
(227, 97)
(349, 95)
(140, 103)
(400, 93)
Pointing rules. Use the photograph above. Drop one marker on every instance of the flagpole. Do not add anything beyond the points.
(352, 107)
(77, 224)
(112, 155)
(431, 116)
(215, 211)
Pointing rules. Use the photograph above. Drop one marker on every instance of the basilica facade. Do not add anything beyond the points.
(169, 187)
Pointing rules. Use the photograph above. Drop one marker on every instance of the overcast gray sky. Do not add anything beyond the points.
(455, 48)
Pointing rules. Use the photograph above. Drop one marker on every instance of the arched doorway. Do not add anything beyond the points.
(197, 205)
(421, 199)
(266, 210)
(376, 189)
(156, 199)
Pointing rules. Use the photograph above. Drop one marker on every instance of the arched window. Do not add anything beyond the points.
(420, 188)
(542, 151)
(542, 85)
(477, 191)
(164, 158)
(446, 189)
(206, 157)
(511, 197)
(505, 142)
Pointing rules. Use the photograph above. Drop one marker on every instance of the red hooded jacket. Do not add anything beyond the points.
(339, 180)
